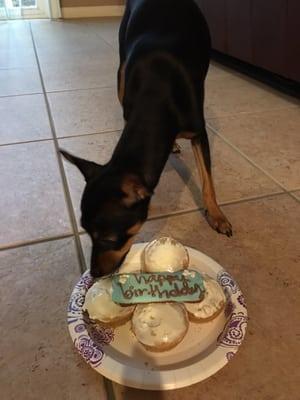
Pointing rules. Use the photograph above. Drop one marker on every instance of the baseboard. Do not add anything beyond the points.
(92, 12)
(285, 85)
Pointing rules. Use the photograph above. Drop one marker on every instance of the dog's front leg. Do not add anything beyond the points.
(214, 215)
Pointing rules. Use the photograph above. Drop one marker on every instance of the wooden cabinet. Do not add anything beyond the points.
(293, 40)
(269, 23)
(239, 39)
(264, 33)
(215, 14)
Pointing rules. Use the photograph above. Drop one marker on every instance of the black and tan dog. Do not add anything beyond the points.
(164, 58)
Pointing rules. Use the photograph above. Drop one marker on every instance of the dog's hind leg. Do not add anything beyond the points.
(214, 215)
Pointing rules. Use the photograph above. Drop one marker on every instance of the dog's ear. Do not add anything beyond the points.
(87, 168)
(134, 190)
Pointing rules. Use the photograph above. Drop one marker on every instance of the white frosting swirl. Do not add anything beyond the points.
(159, 325)
(99, 305)
(213, 301)
(165, 254)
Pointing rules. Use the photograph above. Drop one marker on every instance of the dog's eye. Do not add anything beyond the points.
(107, 244)
(107, 241)
(110, 238)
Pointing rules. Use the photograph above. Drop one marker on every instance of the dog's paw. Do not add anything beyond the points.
(219, 223)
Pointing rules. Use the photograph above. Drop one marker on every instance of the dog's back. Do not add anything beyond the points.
(174, 27)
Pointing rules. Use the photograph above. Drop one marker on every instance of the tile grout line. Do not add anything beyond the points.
(33, 242)
(66, 191)
(61, 137)
(91, 134)
(154, 218)
(26, 142)
(252, 198)
(292, 194)
(20, 95)
(56, 91)
(105, 41)
(80, 89)
(108, 385)
(14, 68)
(247, 113)
(253, 163)
(221, 204)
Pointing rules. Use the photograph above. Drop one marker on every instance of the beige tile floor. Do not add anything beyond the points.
(58, 87)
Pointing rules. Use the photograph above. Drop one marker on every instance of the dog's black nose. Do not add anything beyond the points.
(95, 272)
(105, 263)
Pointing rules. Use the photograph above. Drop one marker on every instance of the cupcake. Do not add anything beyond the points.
(100, 307)
(211, 306)
(165, 255)
(160, 327)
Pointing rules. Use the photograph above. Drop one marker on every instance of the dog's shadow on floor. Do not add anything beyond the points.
(127, 393)
(188, 179)
(136, 394)
(192, 181)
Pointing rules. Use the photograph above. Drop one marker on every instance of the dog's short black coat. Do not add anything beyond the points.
(164, 57)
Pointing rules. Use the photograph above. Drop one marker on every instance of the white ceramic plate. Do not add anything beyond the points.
(206, 348)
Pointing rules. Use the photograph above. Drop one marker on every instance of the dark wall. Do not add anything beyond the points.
(264, 33)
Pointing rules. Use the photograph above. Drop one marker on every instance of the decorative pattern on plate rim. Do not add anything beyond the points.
(236, 313)
(101, 335)
(76, 302)
(230, 355)
(227, 282)
(241, 300)
(90, 337)
(85, 281)
(91, 353)
(234, 332)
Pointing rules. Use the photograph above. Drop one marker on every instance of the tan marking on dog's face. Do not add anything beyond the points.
(109, 260)
(133, 189)
(186, 135)
(134, 229)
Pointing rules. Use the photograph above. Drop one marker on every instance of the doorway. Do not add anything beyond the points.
(29, 9)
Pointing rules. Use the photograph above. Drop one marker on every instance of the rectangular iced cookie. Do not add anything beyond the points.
(136, 288)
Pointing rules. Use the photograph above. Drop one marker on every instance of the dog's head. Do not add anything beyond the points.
(114, 206)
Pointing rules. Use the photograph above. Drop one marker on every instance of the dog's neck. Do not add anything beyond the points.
(147, 140)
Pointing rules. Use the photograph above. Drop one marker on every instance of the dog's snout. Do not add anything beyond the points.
(105, 262)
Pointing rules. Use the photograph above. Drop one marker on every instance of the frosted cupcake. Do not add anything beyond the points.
(160, 327)
(211, 306)
(100, 307)
(165, 255)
